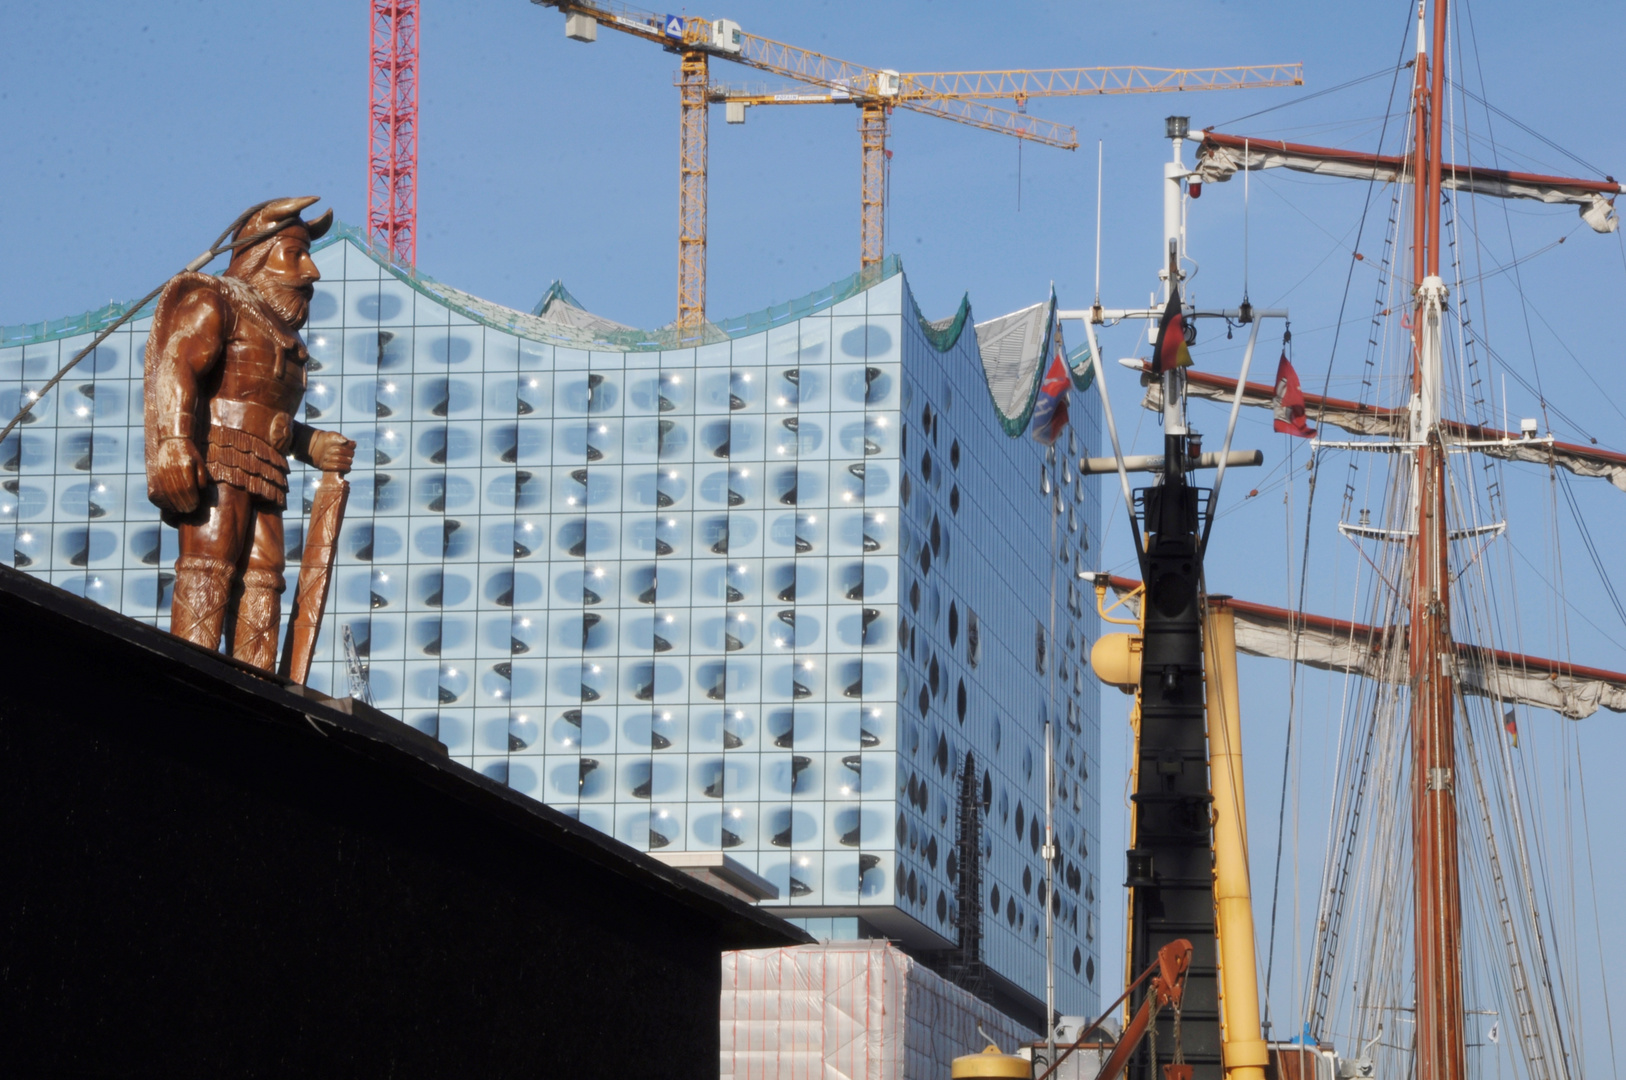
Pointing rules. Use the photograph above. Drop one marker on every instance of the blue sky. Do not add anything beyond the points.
(135, 132)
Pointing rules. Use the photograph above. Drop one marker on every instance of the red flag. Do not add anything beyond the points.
(1289, 402)
(1170, 352)
(1050, 405)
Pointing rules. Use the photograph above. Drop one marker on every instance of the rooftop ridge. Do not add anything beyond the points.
(501, 317)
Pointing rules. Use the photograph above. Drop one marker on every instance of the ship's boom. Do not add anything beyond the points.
(1571, 690)
(1361, 419)
(1222, 156)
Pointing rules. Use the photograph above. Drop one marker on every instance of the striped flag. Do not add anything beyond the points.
(1050, 406)
(1170, 352)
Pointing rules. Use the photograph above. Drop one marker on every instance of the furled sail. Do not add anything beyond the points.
(1362, 419)
(1222, 156)
(1380, 653)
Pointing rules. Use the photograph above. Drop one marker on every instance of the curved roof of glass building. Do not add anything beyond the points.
(1011, 346)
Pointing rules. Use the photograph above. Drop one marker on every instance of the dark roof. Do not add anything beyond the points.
(110, 645)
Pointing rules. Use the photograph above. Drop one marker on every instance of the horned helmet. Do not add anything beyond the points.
(246, 260)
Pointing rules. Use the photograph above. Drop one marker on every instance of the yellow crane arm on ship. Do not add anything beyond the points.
(1115, 659)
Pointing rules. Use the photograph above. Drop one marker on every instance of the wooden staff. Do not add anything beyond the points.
(315, 574)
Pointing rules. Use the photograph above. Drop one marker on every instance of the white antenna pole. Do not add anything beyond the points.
(1244, 219)
(1112, 425)
(1049, 853)
(1174, 174)
(1100, 158)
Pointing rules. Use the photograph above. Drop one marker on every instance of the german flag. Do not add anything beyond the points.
(1170, 352)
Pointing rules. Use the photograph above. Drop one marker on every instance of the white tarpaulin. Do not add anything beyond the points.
(1013, 348)
(1371, 420)
(860, 1009)
(1222, 156)
(1335, 645)
(559, 307)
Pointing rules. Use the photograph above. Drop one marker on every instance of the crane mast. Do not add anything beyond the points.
(693, 80)
(392, 158)
(872, 192)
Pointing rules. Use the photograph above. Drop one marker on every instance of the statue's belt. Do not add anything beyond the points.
(275, 426)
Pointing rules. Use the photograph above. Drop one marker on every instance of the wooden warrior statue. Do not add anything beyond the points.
(225, 371)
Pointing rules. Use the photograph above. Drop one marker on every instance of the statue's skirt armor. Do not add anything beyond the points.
(239, 455)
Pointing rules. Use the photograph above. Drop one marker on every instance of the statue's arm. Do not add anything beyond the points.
(186, 341)
(325, 450)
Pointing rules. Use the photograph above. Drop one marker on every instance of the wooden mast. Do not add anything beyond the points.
(1441, 1052)
(1441, 1049)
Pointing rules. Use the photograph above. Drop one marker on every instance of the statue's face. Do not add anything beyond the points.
(288, 277)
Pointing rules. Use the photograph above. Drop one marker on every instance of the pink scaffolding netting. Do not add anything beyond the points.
(859, 1009)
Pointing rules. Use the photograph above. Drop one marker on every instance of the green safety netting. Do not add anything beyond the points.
(90, 322)
(944, 333)
(818, 300)
(1012, 347)
(558, 317)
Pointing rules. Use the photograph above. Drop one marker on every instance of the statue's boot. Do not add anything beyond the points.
(259, 612)
(198, 607)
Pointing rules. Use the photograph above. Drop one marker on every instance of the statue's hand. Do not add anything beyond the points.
(177, 476)
(332, 452)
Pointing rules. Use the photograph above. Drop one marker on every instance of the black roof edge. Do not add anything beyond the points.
(272, 698)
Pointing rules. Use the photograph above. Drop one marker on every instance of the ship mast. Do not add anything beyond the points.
(1441, 1052)
(1441, 1049)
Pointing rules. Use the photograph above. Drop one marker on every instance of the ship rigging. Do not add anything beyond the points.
(1434, 901)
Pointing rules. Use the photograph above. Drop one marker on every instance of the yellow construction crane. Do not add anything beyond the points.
(873, 90)
(958, 96)
(969, 86)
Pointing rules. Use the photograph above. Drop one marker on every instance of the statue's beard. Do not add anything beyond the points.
(291, 303)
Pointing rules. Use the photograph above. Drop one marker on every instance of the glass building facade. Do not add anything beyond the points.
(778, 595)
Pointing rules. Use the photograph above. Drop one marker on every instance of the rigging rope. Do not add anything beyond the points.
(1308, 516)
(1597, 927)
(1528, 130)
(1151, 1031)
(219, 247)
(1345, 820)
(1565, 1045)
(1590, 545)
(1311, 97)
(1513, 805)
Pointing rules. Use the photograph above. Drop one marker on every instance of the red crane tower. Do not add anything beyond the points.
(392, 158)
